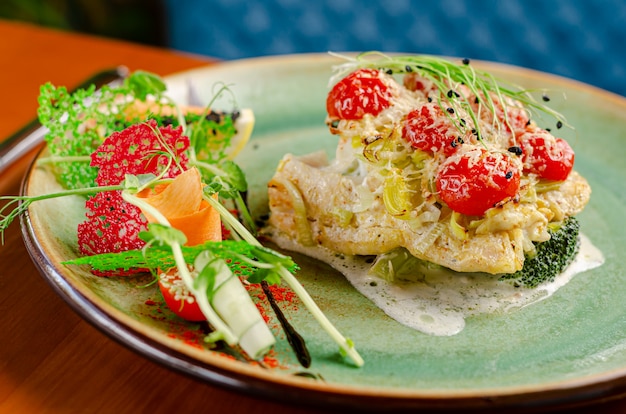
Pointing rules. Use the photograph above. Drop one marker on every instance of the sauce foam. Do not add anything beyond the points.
(439, 303)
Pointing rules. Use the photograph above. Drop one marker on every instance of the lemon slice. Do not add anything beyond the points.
(244, 125)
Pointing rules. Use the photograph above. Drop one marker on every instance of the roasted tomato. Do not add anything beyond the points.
(427, 128)
(178, 298)
(549, 157)
(361, 92)
(472, 182)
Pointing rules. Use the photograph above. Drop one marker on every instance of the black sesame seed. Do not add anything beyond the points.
(508, 175)
(559, 125)
(548, 129)
(462, 122)
(460, 140)
(450, 110)
(453, 144)
(466, 61)
(516, 150)
(545, 98)
(430, 99)
(389, 72)
(408, 68)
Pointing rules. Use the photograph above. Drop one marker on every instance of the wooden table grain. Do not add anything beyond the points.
(51, 361)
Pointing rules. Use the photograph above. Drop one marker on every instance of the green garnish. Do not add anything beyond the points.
(158, 256)
(78, 123)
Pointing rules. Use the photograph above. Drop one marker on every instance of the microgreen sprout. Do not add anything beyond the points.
(448, 76)
(18, 205)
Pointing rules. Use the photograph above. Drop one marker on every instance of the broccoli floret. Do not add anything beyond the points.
(551, 257)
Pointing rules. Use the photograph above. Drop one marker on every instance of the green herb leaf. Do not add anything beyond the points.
(162, 235)
(141, 84)
(136, 182)
(268, 255)
(234, 176)
(268, 275)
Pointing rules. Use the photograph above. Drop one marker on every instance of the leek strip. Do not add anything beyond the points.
(458, 230)
(427, 238)
(303, 229)
(231, 300)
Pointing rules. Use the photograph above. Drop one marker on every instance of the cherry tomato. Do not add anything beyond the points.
(548, 157)
(427, 128)
(472, 182)
(178, 298)
(361, 92)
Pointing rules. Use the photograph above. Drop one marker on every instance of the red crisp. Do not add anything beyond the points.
(112, 224)
(139, 150)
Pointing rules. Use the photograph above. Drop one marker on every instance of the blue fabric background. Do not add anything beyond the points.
(579, 39)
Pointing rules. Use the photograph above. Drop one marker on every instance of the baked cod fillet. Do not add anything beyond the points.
(456, 174)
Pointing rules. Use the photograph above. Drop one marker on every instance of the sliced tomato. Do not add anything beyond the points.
(549, 157)
(364, 91)
(178, 298)
(427, 128)
(472, 182)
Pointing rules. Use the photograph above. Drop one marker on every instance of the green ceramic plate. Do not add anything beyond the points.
(568, 349)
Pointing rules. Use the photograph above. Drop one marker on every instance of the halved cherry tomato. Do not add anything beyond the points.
(361, 92)
(427, 128)
(548, 157)
(178, 298)
(472, 182)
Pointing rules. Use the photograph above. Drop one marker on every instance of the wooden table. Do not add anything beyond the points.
(51, 361)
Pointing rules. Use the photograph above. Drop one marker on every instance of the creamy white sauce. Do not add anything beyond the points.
(440, 303)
